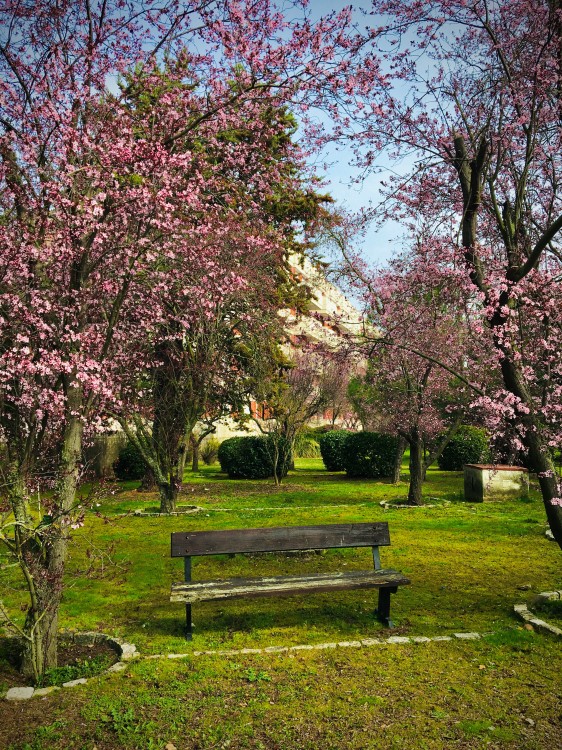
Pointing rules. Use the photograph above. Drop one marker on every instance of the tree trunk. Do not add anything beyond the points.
(398, 459)
(186, 441)
(168, 487)
(417, 470)
(195, 458)
(41, 627)
(168, 496)
(471, 177)
(275, 460)
(28, 552)
(291, 458)
(470, 174)
(48, 549)
(540, 457)
(168, 428)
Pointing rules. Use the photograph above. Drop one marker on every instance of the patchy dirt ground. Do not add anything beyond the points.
(15, 717)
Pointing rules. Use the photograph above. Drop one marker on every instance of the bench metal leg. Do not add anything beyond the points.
(188, 625)
(383, 609)
(187, 578)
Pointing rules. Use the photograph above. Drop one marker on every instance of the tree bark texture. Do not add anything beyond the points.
(46, 551)
(195, 455)
(168, 428)
(417, 469)
(402, 443)
(540, 456)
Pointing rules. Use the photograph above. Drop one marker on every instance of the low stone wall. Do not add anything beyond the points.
(488, 482)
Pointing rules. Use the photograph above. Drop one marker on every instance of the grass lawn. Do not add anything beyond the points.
(468, 564)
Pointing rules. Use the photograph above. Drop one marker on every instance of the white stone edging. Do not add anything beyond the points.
(141, 513)
(128, 651)
(525, 614)
(364, 642)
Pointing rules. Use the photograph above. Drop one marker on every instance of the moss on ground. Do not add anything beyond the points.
(497, 693)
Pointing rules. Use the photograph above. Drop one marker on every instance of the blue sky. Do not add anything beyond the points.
(378, 245)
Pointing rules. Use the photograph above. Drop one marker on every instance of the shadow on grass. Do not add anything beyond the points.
(214, 620)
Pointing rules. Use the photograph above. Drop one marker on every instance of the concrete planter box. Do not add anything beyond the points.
(488, 482)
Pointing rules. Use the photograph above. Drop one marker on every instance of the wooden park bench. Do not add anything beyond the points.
(188, 544)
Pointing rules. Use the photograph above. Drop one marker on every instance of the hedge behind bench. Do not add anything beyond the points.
(369, 455)
(251, 457)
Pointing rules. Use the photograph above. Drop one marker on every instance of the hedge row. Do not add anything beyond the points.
(332, 449)
(469, 445)
(252, 457)
(372, 455)
(360, 454)
(130, 464)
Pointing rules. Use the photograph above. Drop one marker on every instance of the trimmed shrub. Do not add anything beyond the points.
(227, 454)
(369, 455)
(469, 445)
(332, 449)
(252, 457)
(130, 464)
(210, 451)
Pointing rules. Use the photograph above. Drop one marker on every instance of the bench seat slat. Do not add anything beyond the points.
(279, 539)
(275, 586)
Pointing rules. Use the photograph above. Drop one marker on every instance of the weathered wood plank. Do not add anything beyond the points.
(279, 539)
(279, 585)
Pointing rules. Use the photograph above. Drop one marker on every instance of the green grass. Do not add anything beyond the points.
(551, 610)
(83, 668)
(431, 696)
(466, 563)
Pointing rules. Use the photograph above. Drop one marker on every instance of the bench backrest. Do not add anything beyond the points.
(279, 539)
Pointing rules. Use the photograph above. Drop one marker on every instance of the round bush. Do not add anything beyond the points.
(469, 445)
(332, 449)
(227, 454)
(130, 464)
(369, 455)
(252, 457)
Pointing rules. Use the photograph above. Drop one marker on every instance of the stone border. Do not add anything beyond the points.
(216, 509)
(364, 642)
(525, 614)
(128, 651)
(125, 651)
(550, 595)
(393, 505)
(140, 513)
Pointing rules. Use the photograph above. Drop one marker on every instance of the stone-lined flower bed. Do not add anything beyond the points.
(124, 651)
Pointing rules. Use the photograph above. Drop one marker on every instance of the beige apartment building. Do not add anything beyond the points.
(331, 318)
